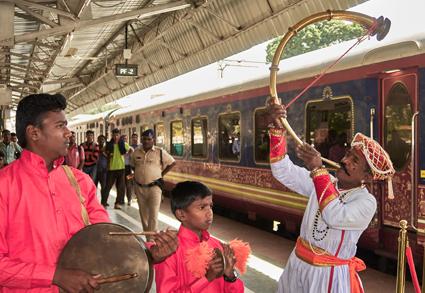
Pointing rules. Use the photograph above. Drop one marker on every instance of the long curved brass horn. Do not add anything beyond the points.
(382, 26)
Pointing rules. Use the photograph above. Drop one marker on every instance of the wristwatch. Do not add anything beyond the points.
(231, 280)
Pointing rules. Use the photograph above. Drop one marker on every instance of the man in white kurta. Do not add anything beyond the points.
(337, 231)
(334, 218)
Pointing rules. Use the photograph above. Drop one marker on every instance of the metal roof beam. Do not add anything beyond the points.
(62, 89)
(84, 24)
(222, 19)
(63, 80)
(37, 16)
(43, 7)
(201, 28)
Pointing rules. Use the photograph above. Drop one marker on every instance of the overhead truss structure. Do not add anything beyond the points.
(72, 47)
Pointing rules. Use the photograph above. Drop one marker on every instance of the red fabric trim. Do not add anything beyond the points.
(331, 276)
(277, 145)
(325, 190)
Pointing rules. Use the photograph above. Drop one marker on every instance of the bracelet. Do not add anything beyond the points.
(318, 171)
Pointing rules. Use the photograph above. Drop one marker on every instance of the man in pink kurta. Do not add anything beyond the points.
(40, 210)
(39, 213)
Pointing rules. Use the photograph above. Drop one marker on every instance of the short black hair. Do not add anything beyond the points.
(186, 192)
(12, 134)
(116, 130)
(101, 136)
(32, 109)
(1, 154)
(89, 132)
(5, 131)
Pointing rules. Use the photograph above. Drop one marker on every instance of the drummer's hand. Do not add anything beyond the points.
(230, 260)
(215, 268)
(274, 113)
(75, 281)
(309, 155)
(166, 243)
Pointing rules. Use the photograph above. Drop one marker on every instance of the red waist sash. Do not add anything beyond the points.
(320, 257)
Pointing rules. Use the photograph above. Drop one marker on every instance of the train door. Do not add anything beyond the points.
(399, 102)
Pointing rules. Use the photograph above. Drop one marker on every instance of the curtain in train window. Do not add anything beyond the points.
(261, 138)
(229, 131)
(159, 134)
(177, 141)
(329, 126)
(199, 138)
(397, 126)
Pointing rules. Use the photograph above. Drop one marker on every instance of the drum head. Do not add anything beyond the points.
(93, 250)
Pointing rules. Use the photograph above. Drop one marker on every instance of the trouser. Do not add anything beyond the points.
(101, 174)
(117, 177)
(128, 183)
(91, 171)
(149, 200)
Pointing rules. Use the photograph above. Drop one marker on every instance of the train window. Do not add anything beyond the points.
(199, 137)
(329, 125)
(229, 136)
(118, 122)
(397, 134)
(101, 128)
(177, 141)
(160, 134)
(130, 120)
(138, 118)
(261, 137)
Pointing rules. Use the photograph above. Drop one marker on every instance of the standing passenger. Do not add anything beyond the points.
(9, 148)
(337, 213)
(116, 148)
(75, 155)
(1, 160)
(102, 166)
(91, 154)
(151, 164)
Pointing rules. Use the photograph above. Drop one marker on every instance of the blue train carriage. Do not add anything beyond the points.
(220, 136)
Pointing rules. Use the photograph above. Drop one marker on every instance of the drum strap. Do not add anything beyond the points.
(74, 184)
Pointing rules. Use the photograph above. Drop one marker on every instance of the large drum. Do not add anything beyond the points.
(95, 250)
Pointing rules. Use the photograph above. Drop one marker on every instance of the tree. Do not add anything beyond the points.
(316, 36)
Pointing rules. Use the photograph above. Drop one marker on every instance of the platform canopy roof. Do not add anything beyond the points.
(73, 46)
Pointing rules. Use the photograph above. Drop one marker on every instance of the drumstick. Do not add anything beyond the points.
(114, 279)
(146, 233)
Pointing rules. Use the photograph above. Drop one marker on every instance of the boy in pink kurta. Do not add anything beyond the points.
(191, 203)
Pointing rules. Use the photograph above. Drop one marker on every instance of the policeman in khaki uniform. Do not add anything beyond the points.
(149, 168)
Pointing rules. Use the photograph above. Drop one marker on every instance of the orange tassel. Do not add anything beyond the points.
(198, 258)
(241, 250)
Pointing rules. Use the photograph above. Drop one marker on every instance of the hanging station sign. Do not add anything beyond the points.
(126, 69)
